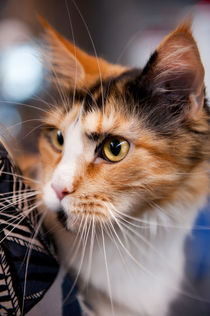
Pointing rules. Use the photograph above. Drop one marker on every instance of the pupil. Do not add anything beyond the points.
(60, 138)
(115, 147)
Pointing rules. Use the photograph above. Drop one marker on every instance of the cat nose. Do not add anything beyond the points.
(60, 191)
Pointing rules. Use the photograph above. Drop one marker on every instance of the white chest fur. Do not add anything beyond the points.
(141, 271)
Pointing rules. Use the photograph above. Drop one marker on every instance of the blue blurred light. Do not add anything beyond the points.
(21, 72)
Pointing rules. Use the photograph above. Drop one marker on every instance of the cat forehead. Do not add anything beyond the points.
(101, 122)
(102, 109)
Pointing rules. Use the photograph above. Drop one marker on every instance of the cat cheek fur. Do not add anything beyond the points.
(161, 184)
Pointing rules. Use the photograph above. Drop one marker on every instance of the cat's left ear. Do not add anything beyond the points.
(71, 65)
(177, 70)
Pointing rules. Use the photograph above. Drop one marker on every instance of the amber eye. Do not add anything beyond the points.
(115, 149)
(56, 139)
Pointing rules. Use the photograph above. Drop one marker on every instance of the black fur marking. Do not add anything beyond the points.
(105, 88)
(62, 217)
(93, 137)
(103, 138)
(77, 96)
(149, 64)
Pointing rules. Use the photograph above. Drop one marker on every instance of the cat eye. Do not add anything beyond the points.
(115, 149)
(56, 139)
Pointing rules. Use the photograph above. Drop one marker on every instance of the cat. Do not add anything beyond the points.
(124, 161)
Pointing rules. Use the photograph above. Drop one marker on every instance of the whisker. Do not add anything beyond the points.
(14, 218)
(28, 212)
(73, 38)
(10, 194)
(28, 257)
(23, 122)
(148, 223)
(116, 219)
(51, 106)
(177, 289)
(130, 255)
(92, 239)
(21, 177)
(33, 129)
(26, 105)
(107, 271)
(94, 49)
(80, 236)
(86, 233)
(10, 204)
(113, 239)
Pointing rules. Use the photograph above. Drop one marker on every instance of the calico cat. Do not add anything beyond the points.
(124, 160)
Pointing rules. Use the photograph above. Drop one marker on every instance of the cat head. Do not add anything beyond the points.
(123, 140)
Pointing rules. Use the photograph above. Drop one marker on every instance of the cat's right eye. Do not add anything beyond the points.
(56, 139)
(115, 149)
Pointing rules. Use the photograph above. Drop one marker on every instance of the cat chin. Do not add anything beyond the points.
(67, 222)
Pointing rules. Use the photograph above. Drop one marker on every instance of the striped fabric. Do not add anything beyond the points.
(29, 272)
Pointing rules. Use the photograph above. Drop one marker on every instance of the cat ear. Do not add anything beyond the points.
(177, 70)
(73, 66)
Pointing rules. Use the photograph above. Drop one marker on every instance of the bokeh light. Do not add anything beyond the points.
(21, 72)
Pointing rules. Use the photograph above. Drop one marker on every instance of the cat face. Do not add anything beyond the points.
(124, 140)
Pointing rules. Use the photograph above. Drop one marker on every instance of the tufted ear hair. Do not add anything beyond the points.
(177, 70)
(74, 67)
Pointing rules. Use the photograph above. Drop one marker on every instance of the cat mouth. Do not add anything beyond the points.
(76, 216)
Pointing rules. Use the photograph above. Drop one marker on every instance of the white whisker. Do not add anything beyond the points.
(95, 52)
(21, 177)
(107, 271)
(28, 257)
(92, 239)
(86, 233)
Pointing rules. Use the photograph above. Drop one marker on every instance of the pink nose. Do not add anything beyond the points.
(60, 191)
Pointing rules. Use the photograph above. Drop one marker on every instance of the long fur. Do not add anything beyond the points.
(126, 222)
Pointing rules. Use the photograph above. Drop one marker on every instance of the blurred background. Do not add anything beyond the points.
(121, 31)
